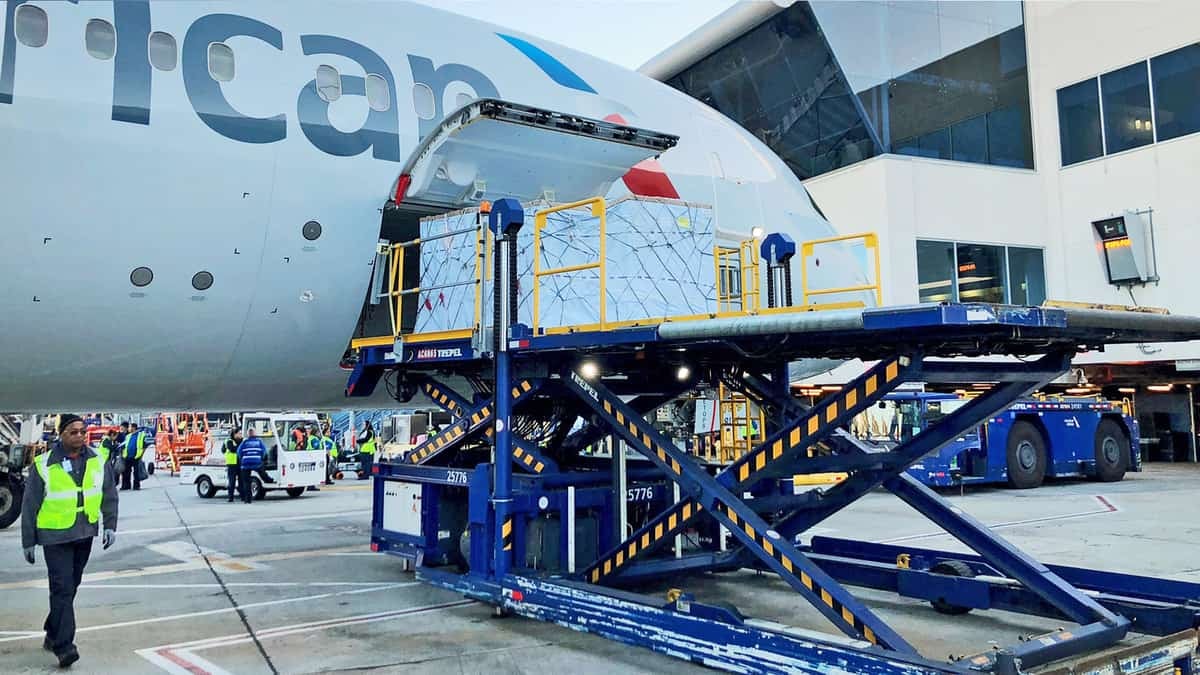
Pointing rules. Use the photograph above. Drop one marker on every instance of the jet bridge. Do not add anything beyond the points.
(508, 505)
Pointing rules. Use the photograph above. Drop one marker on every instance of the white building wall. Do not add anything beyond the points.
(909, 198)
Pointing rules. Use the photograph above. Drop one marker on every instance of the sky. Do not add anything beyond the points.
(626, 32)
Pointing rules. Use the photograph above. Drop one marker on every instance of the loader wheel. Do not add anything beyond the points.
(951, 568)
(11, 492)
(1112, 451)
(1026, 456)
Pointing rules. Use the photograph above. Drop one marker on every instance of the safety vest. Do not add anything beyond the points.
(299, 440)
(230, 450)
(368, 447)
(329, 446)
(105, 451)
(314, 443)
(60, 505)
(138, 438)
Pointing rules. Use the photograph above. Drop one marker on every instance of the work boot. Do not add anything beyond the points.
(65, 659)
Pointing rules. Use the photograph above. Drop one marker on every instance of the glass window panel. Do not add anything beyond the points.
(981, 273)
(379, 95)
(906, 146)
(1026, 276)
(1009, 140)
(164, 54)
(329, 83)
(1177, 92)
(220, 62)
(423, 101)
(935, 144)
(935, 271)
(31, 25)
(968, 140)
(100, 39)
(1079, 122)
(1125, 95)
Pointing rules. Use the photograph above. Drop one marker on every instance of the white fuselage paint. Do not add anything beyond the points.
(85, 200)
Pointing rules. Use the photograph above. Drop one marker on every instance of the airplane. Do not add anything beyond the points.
(192, 191)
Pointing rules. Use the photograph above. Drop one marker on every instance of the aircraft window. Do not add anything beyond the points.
(423, 101)
(378, 96)
(31, 25)
(141, 276)
(311, 230)
(329, 83)
(220, 62)
(164, 53)
(202, 281)
(100, 39)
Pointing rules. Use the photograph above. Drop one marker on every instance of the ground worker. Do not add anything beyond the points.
(314, 443)
(135, 447)
(231, 460)
(108, 446)
(331, 456)
(122, 434)
(299, 438)
(250, 453)
(70, 491)
(366, 451)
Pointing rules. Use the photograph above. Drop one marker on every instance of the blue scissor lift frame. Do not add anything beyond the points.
(752, 499)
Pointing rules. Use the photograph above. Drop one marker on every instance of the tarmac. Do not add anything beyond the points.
(290, 586)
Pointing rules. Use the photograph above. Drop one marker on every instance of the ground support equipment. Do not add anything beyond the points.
(505, 506)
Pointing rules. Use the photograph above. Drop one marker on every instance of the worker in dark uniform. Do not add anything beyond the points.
(250, 454)
(231, 461)
(71, 493)
(122, 434)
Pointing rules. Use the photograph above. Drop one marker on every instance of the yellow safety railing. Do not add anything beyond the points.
(738, 278)
(599, 210)
(870, 242)
(737, 269)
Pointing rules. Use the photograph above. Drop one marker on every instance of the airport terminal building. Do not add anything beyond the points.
(1015, 152)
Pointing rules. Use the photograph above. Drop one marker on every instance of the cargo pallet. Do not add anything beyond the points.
(504, 476)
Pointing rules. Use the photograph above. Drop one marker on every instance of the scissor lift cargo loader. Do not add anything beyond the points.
(505, 506)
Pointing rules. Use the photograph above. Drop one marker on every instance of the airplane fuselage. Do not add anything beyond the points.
(201, 236)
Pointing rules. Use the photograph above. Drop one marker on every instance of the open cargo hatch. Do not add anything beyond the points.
(491, 149)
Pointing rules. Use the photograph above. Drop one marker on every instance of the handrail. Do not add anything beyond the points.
(396, 290)
(599, 210)
(870, 242)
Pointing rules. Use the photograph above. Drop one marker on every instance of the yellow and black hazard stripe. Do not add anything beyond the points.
(522, 388)
(439, 396)
(643, 437)
(665, 526)
(528, 460)
(445, 438)
(506, 534)
(818, 419)
(770, 547)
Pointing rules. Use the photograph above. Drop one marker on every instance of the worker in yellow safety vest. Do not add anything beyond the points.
(229, 449)
(109, 451)
(366, 451)
(135, 447)
(331, 455)
(71, 495)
